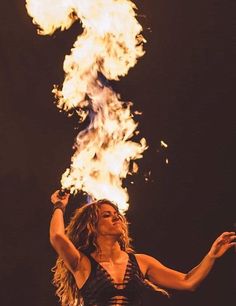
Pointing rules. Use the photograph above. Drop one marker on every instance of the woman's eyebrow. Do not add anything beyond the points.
(108, 211)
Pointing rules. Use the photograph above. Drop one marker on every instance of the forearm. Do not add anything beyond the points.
(57, 226)
(169, 278)
(199, 273)
(61, 243)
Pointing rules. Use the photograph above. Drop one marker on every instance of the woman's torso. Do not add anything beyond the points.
(105, 284)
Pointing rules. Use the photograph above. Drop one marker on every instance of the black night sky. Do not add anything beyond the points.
(184, 88)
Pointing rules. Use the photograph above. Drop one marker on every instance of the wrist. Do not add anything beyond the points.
(211, 256)
(59, 205)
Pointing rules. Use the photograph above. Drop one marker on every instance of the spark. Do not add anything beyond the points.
(163, 144)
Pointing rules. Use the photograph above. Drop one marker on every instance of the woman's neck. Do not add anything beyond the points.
(108, 249)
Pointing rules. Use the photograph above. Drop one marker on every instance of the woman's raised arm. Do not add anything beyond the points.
(60, 242)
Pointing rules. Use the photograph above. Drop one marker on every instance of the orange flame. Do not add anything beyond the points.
(110, 45)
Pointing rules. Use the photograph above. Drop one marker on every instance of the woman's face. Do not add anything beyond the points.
(109, 222)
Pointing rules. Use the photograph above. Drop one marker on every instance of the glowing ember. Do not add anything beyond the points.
(109, 46)
(163, 144)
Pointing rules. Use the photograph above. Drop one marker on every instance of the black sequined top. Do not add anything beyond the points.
(101, 290)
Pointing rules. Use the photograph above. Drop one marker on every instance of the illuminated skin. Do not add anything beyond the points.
(109, 223)
(114, 260)
(111, 257)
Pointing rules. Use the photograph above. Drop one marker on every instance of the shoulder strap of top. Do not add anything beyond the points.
(93, 262)
(133, 259)
(135, 262)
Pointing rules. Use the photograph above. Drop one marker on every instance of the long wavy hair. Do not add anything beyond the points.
(82, 231)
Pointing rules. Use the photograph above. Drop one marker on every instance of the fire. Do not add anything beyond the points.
(109, 46)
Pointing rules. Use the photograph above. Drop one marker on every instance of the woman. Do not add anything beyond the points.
(97, 266)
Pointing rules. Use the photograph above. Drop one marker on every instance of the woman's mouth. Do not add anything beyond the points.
(116, 222)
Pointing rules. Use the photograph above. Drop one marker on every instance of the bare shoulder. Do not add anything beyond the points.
(147, 261)
(144, 258)
(144, 262)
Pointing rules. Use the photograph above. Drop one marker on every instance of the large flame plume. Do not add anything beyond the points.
(109, 46)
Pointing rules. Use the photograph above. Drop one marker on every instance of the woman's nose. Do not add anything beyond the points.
(115, 218)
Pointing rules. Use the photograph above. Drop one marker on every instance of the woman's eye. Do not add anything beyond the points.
(106, 215)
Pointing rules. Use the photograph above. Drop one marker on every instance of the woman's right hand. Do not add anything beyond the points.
(56, 197)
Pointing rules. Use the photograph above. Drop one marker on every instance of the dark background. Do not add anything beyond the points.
(184, 87)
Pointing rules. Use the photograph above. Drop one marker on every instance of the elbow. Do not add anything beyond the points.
(191, 286)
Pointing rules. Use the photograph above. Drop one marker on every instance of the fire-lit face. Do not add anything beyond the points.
(109, 222)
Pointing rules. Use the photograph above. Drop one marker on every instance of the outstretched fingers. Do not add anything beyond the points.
(228, 237)
(224, 242)
(231, 241)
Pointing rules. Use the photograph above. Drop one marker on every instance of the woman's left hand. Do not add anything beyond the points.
(224, 242)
